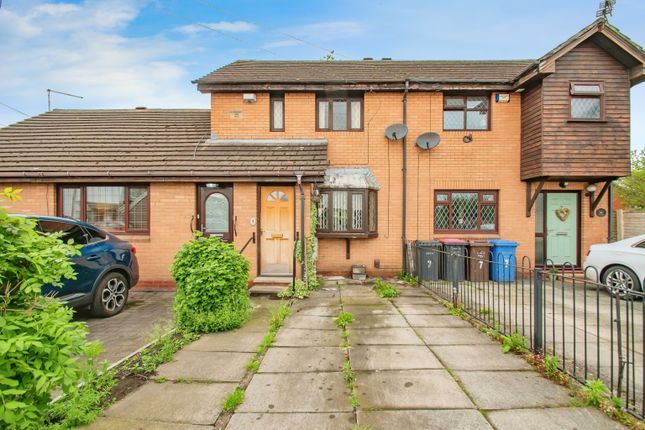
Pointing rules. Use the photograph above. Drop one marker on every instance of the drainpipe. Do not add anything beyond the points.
(610, 208)
(302, 226)
(405, 175)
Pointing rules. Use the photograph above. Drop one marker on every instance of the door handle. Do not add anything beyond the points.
(93, 257)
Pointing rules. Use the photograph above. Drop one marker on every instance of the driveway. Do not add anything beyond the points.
(131, 329)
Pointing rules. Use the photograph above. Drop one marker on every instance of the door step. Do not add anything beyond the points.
(270, 285)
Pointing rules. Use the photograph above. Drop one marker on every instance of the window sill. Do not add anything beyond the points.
(586, 120)
(346, 235)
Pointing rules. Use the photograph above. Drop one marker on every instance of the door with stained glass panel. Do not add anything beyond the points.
(215, 212)
(276, 230)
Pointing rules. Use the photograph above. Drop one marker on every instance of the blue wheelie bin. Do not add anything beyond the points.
(504, 261)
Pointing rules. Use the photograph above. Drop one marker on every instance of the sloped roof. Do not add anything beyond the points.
(366, 71)
(145, 144)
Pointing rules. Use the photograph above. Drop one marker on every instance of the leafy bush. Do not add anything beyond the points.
(41, 349)
(385, 290)
(212, 280)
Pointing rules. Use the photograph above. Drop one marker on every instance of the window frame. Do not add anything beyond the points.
(465, 111)
(480, 204)
(350, 232)
(274, 97)
(582, 94)
(83, 204)
(348, 99)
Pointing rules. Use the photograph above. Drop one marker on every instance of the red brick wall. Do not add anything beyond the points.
(490, 161)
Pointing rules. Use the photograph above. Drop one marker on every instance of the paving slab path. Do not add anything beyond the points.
(416, 367)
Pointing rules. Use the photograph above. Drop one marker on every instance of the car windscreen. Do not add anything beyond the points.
(70, 231)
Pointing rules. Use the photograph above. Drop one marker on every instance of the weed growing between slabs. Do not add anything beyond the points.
(385, 290)
(343, 320)
(236, 398)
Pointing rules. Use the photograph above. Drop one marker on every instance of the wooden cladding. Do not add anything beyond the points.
(555, 144)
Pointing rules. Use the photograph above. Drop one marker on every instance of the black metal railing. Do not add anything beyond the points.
(595, 330)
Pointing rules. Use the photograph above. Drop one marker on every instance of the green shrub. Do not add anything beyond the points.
(212, 286)
(41, 349)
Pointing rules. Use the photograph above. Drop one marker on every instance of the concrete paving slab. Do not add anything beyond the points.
(423, 309)
(384, 336)
(103, 423)
(305, 337)
(307, 359)
(392, 357)
(409, 389)
(281, 421)
(380, 309)
(311, 322)
(414, 300)
(479, 357)
(436, 321)
(206, 366)
(235, 341)
(170, 402)
(512, 389)
(464, 419)
(317, 310)
(553, 419)
(378, 321)
(297, 392)
(454, 336)
(372, 299)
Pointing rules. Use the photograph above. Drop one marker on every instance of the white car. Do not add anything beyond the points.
(619, 264)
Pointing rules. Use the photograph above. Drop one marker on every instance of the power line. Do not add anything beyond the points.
(14, 109)
(281, 32)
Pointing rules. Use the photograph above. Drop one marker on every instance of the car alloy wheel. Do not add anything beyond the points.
(622, 280)
(114, 294)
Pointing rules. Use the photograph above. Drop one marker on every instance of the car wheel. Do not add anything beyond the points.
(111, 295)
(621, 277)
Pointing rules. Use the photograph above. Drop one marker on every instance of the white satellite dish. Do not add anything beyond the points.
(396, 131)
(428, 140)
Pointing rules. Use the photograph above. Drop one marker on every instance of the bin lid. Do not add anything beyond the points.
(453, 242)
(431, 243)
(479, 242)
(502, 242)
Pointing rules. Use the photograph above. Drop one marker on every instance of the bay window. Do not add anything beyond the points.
(117, 208)
(348, 213)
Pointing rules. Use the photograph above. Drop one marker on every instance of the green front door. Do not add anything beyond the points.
(562, 228)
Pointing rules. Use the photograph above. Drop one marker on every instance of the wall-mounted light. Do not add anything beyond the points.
(563, 184)
(468, 138)
(591, 188)
(249, 98)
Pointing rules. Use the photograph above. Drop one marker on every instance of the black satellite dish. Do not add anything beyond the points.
(428, 140)
(396, 131)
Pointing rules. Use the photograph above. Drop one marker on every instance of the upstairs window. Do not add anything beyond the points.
(114, 208)
(339, 113)
(465, 112)
(465, 211)
(587, 101)
(277, 112)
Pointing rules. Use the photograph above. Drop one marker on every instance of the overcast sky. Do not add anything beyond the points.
(127, 53)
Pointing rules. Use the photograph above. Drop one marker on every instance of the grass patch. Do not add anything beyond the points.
(594, 392)
(83, 405)
(253, 365)
(551, 366)
(385, 290)
(233, 400)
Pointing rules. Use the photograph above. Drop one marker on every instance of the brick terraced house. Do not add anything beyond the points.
(527, 151)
